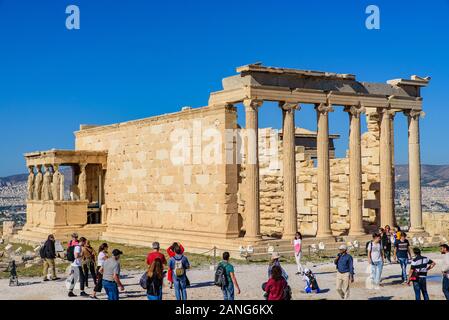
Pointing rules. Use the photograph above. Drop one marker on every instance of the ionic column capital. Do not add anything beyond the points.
(355, 111)
(324, 108)
(252, 103)
(289, 106)
(386, 112)
(415, 114)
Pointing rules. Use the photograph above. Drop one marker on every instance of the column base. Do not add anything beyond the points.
(325, 236)
(356, 233)
(419, 232)
(252, 239)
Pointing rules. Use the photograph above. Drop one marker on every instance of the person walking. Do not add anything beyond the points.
(275, 256)
(444, 249)
(402, 253)
(171, 253)
(345, 271)
(276, 285)
(111, 275)
(376, 260)
(179, 265)
(156, 254)
(154, 280)
(49, 256)
(228, 288)
(102, 257)
(297, 247)
(76, 272)
(418, 272)
(88, 263)
(386, 242)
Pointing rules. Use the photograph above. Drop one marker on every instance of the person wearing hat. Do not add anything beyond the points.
(156, 254)
(74, 241)
(345, 271)
(111, 275)
(275, 256)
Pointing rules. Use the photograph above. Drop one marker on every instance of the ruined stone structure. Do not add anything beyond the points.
(194, 177)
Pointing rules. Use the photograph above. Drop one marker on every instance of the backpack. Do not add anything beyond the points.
(42, 252)
(221, 279)
(287, 293)
(143, 280)
(370, 245)
(179, 268)
(71, 253)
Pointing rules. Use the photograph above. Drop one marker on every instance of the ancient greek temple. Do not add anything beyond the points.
(125, 172)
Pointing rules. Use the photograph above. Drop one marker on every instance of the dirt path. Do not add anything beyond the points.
(250, 278)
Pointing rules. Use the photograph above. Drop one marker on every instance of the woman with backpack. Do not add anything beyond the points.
(154, 280)
(276, 287)
(178, 266)
(171, 253)
(103, 255)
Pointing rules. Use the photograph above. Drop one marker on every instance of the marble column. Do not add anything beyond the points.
(393, 171)
(386, 179)
(414, 163)
(289, 169)
(355, 172)
(324, 214)
(252, 212)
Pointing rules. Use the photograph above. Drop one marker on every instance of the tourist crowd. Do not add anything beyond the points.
(386, 246)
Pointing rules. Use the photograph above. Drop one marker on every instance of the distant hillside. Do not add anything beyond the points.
(6, 181)
(431, 175)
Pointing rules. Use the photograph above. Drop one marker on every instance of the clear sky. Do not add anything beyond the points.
(137, 58)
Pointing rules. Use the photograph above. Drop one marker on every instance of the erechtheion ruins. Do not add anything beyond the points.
(194, 176)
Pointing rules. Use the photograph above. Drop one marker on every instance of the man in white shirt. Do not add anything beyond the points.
(76, 269)
(444, 248)
(376, 259)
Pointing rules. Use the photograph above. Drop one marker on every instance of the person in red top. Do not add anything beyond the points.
(276, 285)
(171, 254)
(74, 241)
(156, 255)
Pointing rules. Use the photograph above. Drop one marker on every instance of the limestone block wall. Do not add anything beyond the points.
(145, 189)
(271, 184)
(436, 223)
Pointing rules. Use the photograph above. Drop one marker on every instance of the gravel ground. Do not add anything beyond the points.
(250, 278)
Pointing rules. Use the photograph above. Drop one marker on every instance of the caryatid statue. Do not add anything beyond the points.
(38, 184)
(46, 185)
(30, 184)
(58, 184)
(82, 183)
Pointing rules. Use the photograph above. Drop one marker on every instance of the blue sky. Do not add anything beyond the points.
(138, 58)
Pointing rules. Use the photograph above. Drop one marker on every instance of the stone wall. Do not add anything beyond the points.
(436, 223)
(145, 190)
(271, 184)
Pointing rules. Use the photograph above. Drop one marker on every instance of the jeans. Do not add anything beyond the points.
(387, 251)
(420, 286)
(446, 286)
(111, 289)
(403, 263)
(376, 272)
(228, 291)
(90, 266)
(78, 275)
(180, 288)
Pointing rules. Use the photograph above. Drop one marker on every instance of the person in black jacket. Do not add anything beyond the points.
(49, 258)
